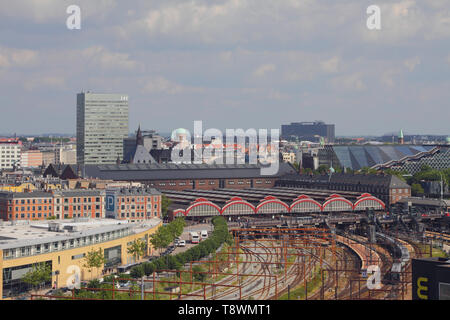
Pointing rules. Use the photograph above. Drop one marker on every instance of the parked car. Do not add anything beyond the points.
(182, 243)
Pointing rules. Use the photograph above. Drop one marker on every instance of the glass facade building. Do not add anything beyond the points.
(102, 125)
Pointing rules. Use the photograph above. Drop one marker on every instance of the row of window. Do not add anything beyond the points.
(33, 208)
(138, 214)
(78, 200)
(138, 207)
(31, 201)
(136, 199)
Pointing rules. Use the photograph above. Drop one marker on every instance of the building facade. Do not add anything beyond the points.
(309, 131)
(102, 126)
(10, 154)
(64, 251)
(36, 205)
(31, 159)
(133, 203)
(78, 203)
(388, 188)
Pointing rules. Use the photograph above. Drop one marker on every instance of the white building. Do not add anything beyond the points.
(10, 154)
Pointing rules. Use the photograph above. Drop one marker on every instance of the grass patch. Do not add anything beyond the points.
(311, 285)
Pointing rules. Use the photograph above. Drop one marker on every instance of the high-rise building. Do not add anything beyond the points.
(310, 131)
(102, 125)
(10, 153)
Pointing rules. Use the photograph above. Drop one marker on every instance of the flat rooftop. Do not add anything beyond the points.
(23, 234)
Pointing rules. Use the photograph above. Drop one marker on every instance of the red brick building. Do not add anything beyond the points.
(132, 204)
(36, 205)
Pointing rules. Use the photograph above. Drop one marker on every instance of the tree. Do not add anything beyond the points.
(367, 170)
(160, 239)
(39, 274)
(137, 248)
(200, 277)
(94, 259)
(165, 203)
(149, 268)
(416, 189)
(398, 174)
(137, 271)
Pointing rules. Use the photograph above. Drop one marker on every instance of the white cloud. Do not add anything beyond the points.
(411, 63)
(108, 60)
(351, 82)
(331, 65)
(262, 70)
(11, 57)
(165, 86)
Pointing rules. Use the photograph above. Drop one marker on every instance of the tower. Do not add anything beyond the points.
(400, 137)
(102, 125)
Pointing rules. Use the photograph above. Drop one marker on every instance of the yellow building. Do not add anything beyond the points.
(64, 246)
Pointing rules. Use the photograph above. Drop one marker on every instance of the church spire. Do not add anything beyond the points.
(139, 139)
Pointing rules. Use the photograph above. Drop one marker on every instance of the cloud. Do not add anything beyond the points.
(351, 82)
(12, 57)
(411, 63)
(106, 59)
(262, 70)
(331, 65)
(161, 85)
(305, 58)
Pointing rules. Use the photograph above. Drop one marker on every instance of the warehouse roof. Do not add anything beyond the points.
(172, 171)
(390, 181)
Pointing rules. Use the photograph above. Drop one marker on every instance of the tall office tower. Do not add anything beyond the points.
(102, 124)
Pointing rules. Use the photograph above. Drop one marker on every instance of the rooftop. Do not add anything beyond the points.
(25, 234)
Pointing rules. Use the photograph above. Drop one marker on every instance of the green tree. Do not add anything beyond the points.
(137, 248)
(39, 274)
(149, 268)
(165, 203)
(160, 239)
(137, 271)
(399, 174)
(416, 189)
(367, 170)
(94, 259)
(198, 276)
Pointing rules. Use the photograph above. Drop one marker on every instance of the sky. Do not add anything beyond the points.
(230, 63)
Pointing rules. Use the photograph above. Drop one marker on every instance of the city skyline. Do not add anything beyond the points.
(242, 64)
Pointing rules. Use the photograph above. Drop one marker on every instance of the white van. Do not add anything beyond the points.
(204, 234)
(193, 236)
